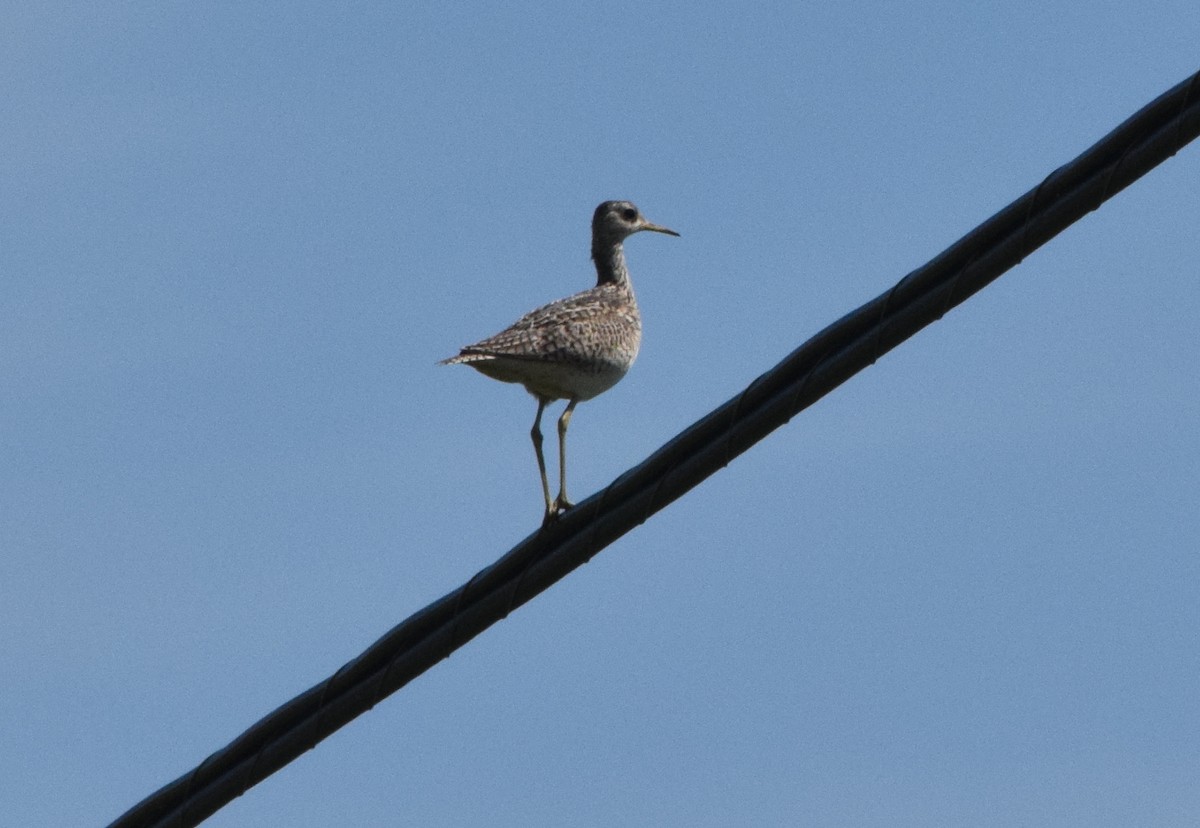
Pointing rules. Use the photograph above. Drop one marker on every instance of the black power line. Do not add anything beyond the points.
(831, 357)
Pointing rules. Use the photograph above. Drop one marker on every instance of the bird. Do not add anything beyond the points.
(576, 348)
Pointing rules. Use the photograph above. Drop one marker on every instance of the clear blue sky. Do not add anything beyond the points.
(235, 239)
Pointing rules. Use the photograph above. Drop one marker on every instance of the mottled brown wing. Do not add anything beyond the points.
(570, 329)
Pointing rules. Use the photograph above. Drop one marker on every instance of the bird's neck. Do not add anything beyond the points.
(610, 264)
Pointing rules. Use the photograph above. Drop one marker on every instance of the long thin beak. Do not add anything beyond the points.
(657, 228)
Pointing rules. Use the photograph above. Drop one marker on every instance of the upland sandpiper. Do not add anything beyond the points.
(576, 348)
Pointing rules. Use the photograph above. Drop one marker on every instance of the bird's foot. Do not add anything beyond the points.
(560, 505)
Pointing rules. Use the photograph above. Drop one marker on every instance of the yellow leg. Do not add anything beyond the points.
(563, 503)
(536, 435)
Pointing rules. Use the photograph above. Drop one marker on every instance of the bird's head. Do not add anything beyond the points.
(617, 220)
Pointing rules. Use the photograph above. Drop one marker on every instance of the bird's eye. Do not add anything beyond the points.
(629, 214)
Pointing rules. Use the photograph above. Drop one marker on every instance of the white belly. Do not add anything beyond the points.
(556, 380)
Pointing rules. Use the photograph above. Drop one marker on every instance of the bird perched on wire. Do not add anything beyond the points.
(576, 348)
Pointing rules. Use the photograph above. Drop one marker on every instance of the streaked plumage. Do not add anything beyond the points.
(578, 347)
